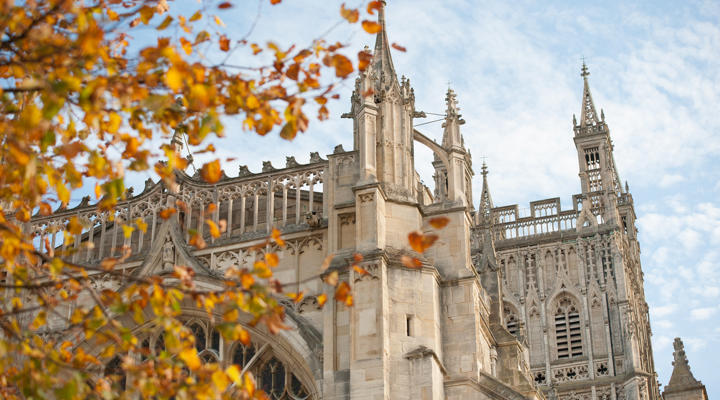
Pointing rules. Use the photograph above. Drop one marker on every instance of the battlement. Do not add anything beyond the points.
(546, 216)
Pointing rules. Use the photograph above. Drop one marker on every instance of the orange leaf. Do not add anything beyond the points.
(350, 14)
(410, 262)
(273, 2)
(45, 209)
(439, 222)
(296, 297)
(342, 293)
(224, 43)
(420, 242)
(371, 26)
(398, 47)
(332, 278)
(166, 213)
(98, 191)
(214, 230)
(197, 241)
(343, 65)
(360, 270)
(374, 5)
(321, 299)
(357, 257)
(275, 235)
(211, 171)
(272, 259)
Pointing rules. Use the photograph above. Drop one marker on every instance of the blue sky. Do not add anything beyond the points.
(655, 70)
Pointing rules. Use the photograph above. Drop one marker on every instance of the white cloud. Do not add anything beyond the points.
(670, 179)
(663, 311)
(703, 313)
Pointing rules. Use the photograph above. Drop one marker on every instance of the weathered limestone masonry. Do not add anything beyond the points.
(505, 306)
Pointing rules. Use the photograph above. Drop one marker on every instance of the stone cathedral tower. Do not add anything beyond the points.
(573, 282)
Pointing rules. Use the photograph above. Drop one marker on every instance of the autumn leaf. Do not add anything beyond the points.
(225, 5)
(190, 357)
(224, 43)
(350, 14)
(374, 5)
(276, 236)
(332, 278)
(211, 171)
(398, 47)
(364, 59)
(214, 230)
(360, 270)
(321, 299)
(421, 242)
(197, 241)
(272, 259)
(326, 262)
(439, 222)
(371, 27)
(410, 262)
(166, 213)
(342, 294)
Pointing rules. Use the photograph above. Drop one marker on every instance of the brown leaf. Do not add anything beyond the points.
(224, 5)
(410, 262)
(371, 27)
(439, 222)
(224, 43)
(211, 171)
(368, 92)
(364, 58)
(421, 242)
(343, 65)
(398, 47)
(350, 14)
(357, 257)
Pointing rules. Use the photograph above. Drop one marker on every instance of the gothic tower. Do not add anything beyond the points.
(572, 280)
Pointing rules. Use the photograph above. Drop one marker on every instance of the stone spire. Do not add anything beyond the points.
(486, 204)
(588, 115)
(683, 384)
(451, 134)
(382, 65)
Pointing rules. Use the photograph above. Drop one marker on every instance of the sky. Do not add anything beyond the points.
(515, 66)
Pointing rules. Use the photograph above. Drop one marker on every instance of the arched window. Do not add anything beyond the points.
(568, 336)
(279, 383)
(114, 371)
(243, 354)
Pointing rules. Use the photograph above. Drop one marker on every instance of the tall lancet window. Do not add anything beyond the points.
(592, 162)
(568, 336)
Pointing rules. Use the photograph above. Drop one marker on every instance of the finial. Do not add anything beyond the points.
(584, 70)
(627, 188)
(484, 169)
(574, 120)
(602, 115)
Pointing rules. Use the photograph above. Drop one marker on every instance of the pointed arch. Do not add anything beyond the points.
(566, 327)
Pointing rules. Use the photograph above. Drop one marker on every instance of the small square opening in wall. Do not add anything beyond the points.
(409, 325)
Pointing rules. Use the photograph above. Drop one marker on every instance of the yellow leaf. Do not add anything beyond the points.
(196, 16)
(214, 230)
(127, 231)
(220, 380)
(98, 191)
(63, 193)
(275, 235)
(108, 352)
(173, 78)
(249, 384)
(234, 373)
(190, 357)
(141, 224)
(321, 299)
(219, 21)
(186, 45)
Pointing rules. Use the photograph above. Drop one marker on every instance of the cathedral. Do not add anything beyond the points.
(549, 305)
